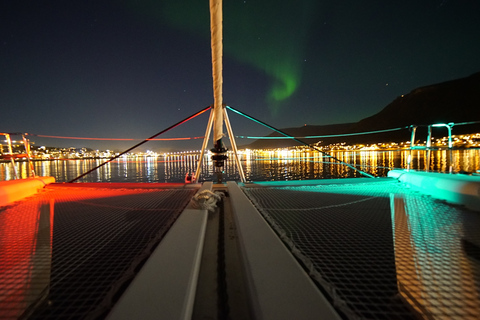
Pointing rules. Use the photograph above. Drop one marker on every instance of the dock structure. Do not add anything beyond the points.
(323, 249)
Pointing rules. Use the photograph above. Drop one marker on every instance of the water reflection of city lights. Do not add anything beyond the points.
(276, 164)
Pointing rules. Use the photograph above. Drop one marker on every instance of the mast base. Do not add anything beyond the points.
(219, 156)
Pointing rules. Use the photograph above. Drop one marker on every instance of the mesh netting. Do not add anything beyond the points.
(373, 268)
(69, 252)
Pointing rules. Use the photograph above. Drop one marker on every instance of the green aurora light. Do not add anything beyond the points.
(267, 35)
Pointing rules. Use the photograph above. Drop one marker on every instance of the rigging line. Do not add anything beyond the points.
(321, 208)
(450, 123)
(140, 143)
(13, 133)
(325, 136)
(464, 123)
(347, 134)
(297, 140)
(111, 139)
(313, 161)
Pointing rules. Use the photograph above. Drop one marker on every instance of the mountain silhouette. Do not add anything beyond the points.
(455, 101)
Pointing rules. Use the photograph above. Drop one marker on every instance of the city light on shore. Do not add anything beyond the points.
(49, 153)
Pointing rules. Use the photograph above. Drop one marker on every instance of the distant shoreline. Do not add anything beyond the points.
(417, 148)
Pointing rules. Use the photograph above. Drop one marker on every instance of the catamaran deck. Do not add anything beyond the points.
(378, 249)
(80, 244)
(371, 248)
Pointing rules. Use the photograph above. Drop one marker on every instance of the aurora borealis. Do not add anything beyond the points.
(127, 69)
(252, 36)
(278, 49)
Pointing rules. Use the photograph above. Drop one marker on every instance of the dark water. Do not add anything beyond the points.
(258, 166)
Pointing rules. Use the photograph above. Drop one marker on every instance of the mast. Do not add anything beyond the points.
(218, 113)
(216, 29)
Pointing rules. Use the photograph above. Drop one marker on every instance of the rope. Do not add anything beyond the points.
(206, 200)
(320, 208)
(240, 137)
(325, 136)
(312, 161)
(111, 139)
(300, 141)
(464, 123)
(139, 144)
(348, 134)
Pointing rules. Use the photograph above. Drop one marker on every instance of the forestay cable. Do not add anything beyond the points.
(144, 141)
(300, 141)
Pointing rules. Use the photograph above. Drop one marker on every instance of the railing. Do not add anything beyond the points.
(12, 156)
(413, 145)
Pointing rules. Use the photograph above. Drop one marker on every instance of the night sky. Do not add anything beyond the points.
(129, 69)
